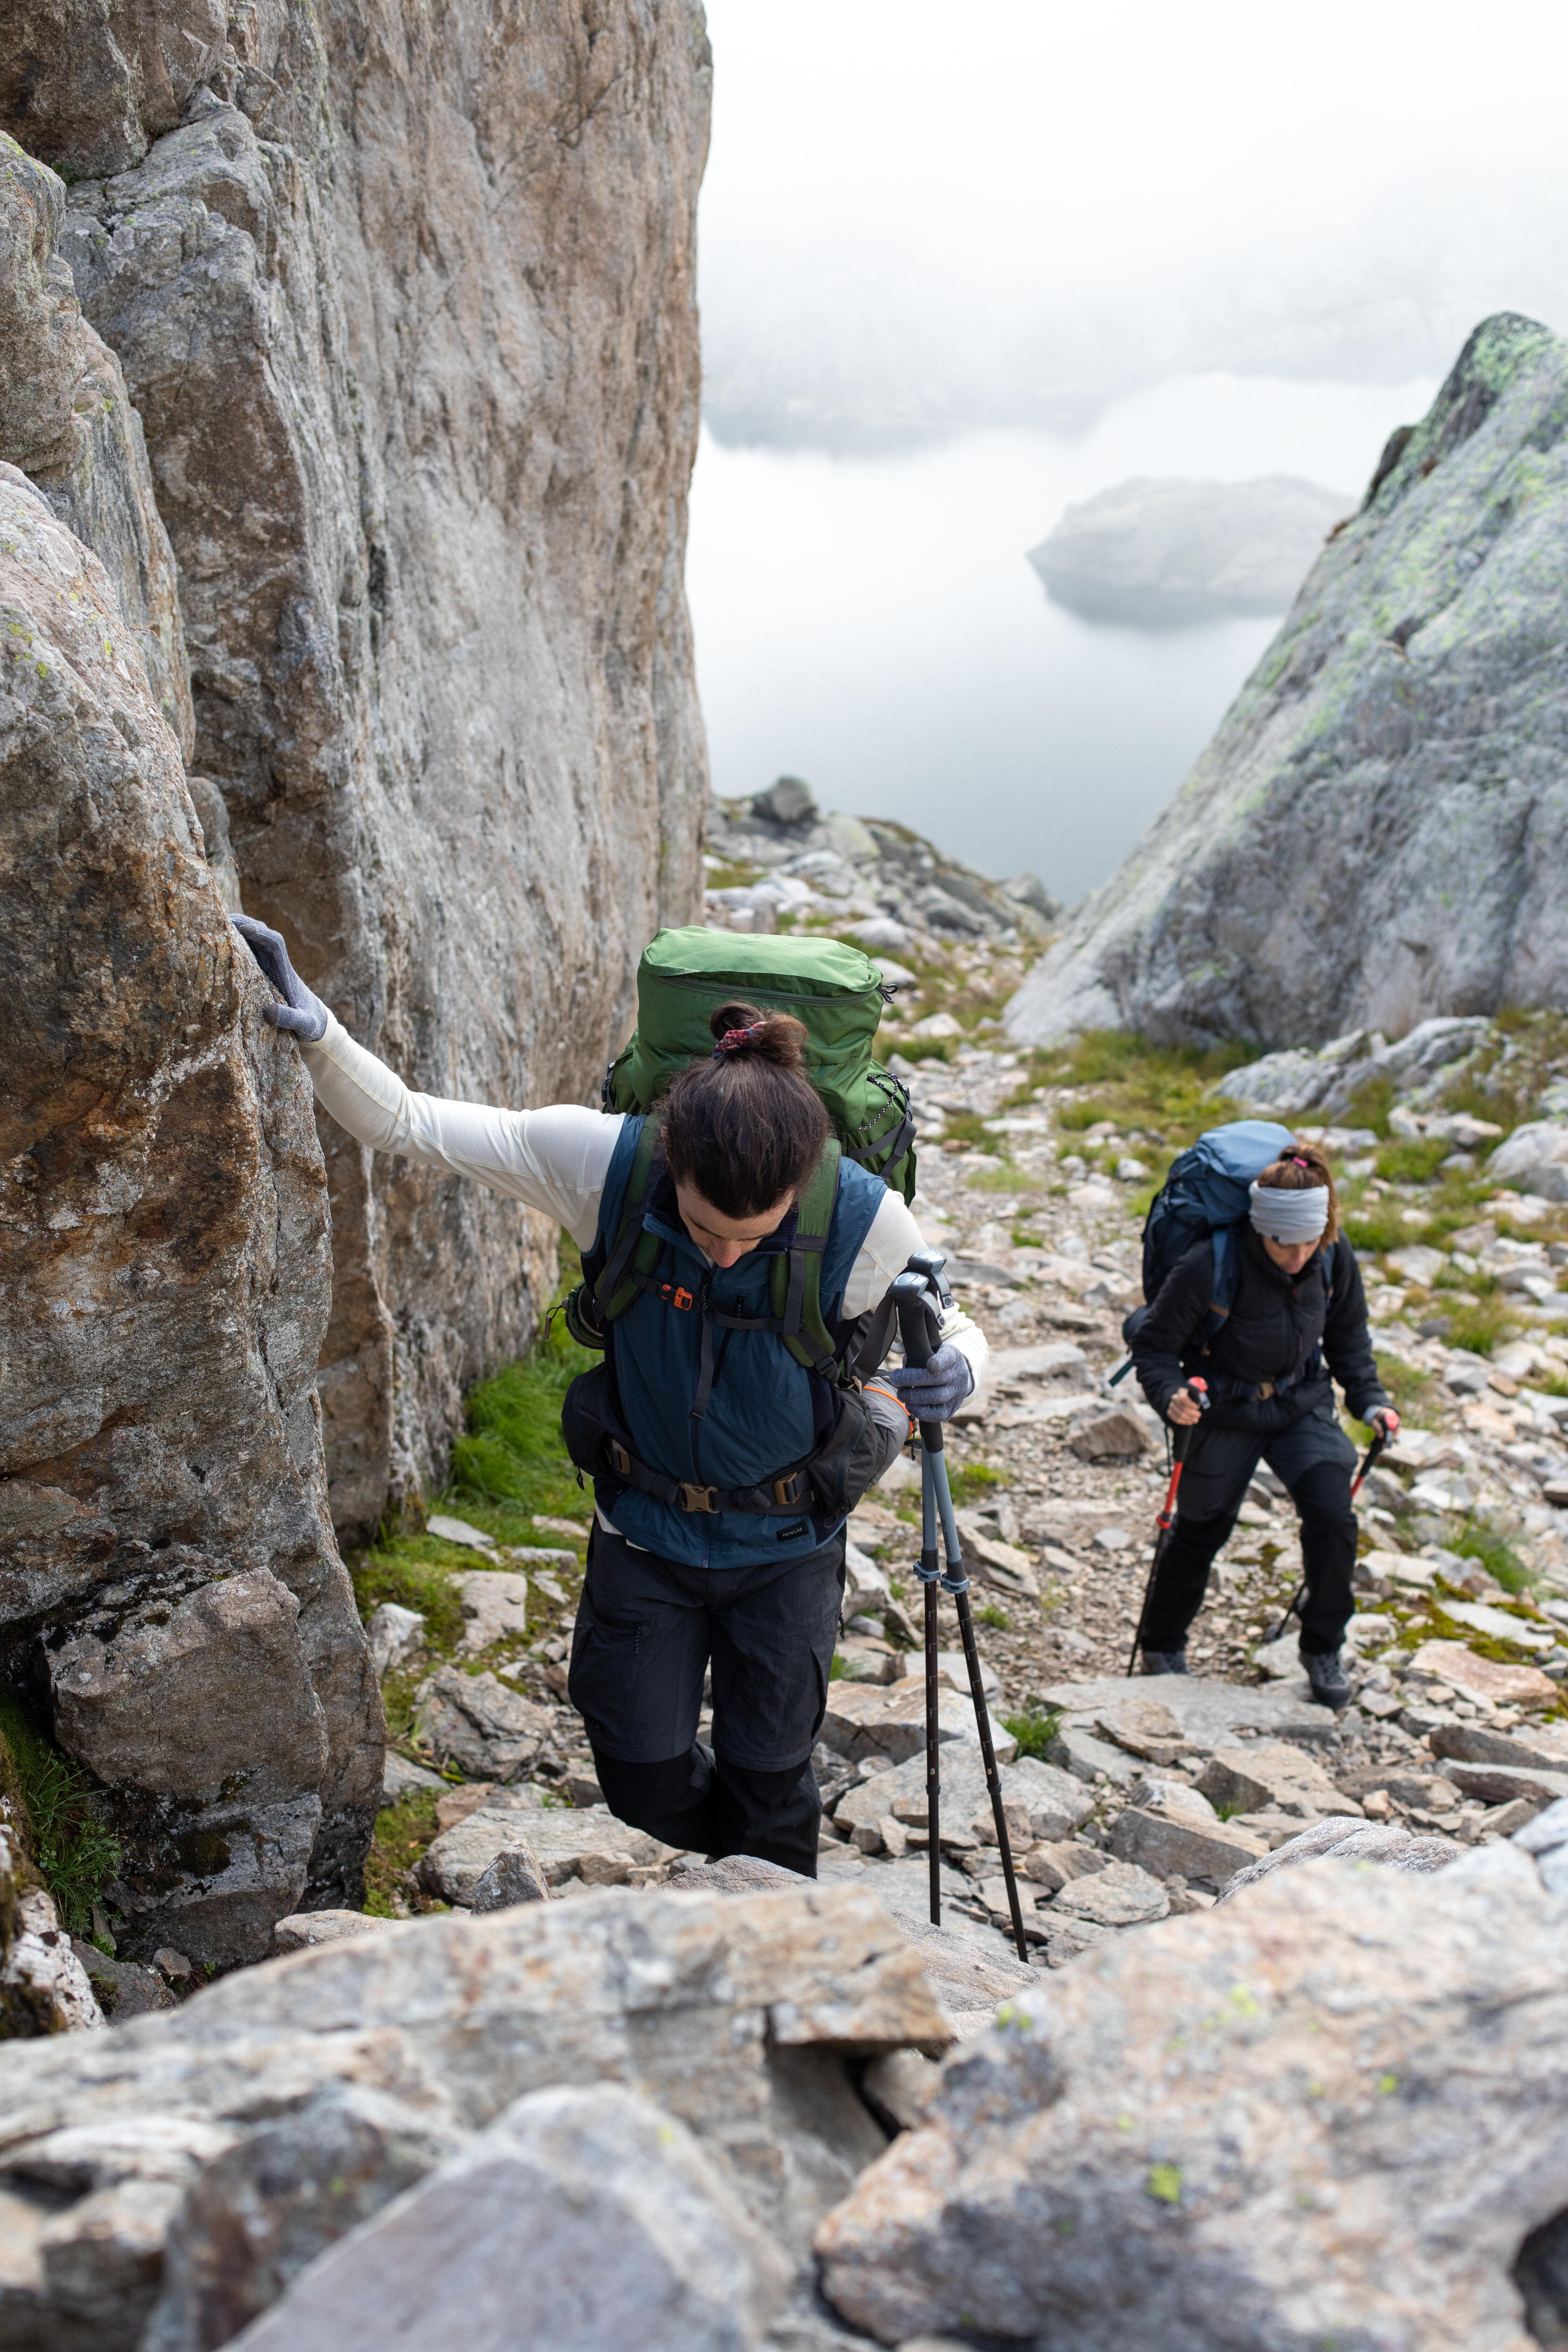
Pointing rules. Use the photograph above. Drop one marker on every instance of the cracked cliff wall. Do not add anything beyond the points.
(404, 295)
(1379, 830)
(169, 1588)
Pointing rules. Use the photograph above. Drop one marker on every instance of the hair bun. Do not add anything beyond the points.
(742, 1030)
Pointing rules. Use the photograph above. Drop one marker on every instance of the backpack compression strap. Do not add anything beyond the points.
(795, 1275)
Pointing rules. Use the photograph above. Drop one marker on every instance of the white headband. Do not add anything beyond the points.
(1289, 1217)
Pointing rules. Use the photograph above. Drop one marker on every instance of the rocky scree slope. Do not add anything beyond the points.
(1034, 1172)
(406, 311)
(1379, 830)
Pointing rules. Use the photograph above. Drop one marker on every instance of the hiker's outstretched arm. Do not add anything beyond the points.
(886, 1251)
(555, 1160)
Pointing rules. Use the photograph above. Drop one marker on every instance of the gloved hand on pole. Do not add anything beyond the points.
(301, 1012)
(934, 1390)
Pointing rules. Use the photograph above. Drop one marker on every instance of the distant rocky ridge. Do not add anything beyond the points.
(1166, 553)
(888, 883)
(1378, 832)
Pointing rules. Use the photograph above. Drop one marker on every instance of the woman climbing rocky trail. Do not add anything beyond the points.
(460, 1882)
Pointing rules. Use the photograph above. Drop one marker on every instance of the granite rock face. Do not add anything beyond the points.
(170, 1588)
(406, 307)
(67, 421)
(1378, 832)
(1268, 2127)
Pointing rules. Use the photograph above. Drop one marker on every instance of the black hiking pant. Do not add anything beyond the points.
(647, 1630)
(1316, 1461)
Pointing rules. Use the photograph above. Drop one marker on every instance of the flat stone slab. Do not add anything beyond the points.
(303, 1931)
(1210, 1712)
(567, 1841)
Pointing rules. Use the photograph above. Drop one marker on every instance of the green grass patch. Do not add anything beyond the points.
(415, 1572)
(839, 1670)
(1371, 1105)
(1478, 1541)
(1411, 1159)
(926, 1049)
(998, 1619)
(72, 1851)
(402, 1831)
(1165, 1092)
(1482, 1327)
(1378, 1226)
(1409, 1388)
(975, 1481)
(1034, 1729)
(1005, 1179)
(513, 1456)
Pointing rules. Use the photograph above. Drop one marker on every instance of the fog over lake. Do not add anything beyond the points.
(958, 269)
(872, 622)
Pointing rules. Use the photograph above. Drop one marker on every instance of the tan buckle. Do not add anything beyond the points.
(698, 1498)
(621, 1459)
(787, 1491)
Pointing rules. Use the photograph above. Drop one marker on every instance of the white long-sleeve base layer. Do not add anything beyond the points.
(556, 1161)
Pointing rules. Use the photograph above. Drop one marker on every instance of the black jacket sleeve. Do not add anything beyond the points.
(1347, 1342)
(1172, 1325)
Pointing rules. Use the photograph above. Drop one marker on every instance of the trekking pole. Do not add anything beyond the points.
(920, 1330)
(1379, 1441)
(1166, 1519)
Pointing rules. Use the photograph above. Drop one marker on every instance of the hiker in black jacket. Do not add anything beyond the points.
(1297, 1324)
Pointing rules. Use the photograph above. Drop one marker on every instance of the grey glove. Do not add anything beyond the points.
(300, 1011)
(935, 1391)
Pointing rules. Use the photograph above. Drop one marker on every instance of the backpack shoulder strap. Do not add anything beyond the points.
(795, 1275)
(1222, 1286)
(635, 1251)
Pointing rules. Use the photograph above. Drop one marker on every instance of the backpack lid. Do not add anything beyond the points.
(829, 985)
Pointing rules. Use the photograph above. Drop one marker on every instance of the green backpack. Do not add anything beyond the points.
(834, 988)
(837, 992)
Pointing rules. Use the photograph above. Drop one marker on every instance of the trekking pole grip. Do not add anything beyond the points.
(919, 1334)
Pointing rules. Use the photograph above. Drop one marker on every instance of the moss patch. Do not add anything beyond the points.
(402, 1831)
(74, 1854)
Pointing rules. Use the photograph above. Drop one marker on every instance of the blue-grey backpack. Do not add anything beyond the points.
(1207, 1192)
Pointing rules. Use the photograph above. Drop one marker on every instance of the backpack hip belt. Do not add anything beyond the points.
(788, 1492)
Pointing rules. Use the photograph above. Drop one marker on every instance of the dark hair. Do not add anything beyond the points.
(1301, 1170)
(746, 1126)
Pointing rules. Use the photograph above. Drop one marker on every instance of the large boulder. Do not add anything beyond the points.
(1379, 830)
(591, 2210)
(407, 305)
(1329, 2111)
(176, 2186)
(169, 1577)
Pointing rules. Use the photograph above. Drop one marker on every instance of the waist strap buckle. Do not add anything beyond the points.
(789, 1491)
(698, 1498)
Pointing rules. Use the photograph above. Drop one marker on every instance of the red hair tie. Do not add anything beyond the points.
(733, 1039)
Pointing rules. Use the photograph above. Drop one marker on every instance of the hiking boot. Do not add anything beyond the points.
(1169, 1662)
(1327, 1676)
